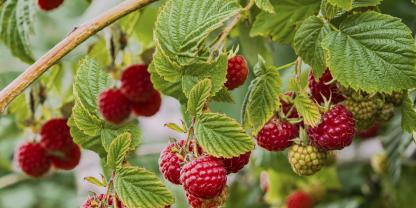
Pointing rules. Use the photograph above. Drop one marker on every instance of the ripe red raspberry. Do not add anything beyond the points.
(204, 177)
(68, 158)
(48, 5)
(55, 135)
(171, 158)
(237, 72)
(33, 159)
(170, 163)
(299, 199)
(372, 131)
(148, 108)
(136, 84)
(235, 164)
(277, 135)
(336, 130)
(95, 201)
(322, 89)
(114, 106)
(215, 202)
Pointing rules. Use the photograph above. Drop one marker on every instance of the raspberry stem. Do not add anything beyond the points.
(75, 38)
(233, 22)
(189, 136)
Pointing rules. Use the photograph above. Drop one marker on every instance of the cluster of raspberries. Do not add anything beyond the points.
(334, 132)
(202, 176)
(135, 94)
(56, 148)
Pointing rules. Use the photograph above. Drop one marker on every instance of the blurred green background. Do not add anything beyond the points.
(352, 183)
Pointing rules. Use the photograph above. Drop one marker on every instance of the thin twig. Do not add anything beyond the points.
(231, 24)
(217, 46)
(75, 38)
(11, 179)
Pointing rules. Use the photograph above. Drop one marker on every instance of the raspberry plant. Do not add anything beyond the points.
(353, 74)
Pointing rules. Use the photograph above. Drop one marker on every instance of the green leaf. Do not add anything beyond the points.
(265, 5)
(165, 67)
(118, 150)
(173, 89)
(92, 143)
(282, 25)
(183, 25)
(344, 4)
(365, 3)
(176, 127)
(20, 109)
(372, 52)
(199, 96)
(307, 43)
(215, 71)
(138, 187)
(222, 136)
(94, 181)
(110, 132)
(85, 121)
(262, 99)
(90, 81)
(223, 96)
(329, 11)
(99, 52)
(408, 116)
(16, 26)
(307, 109)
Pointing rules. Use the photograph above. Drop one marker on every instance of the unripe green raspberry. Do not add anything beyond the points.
(364, 124)
(364, 107)
(396, 98)
(306, 159)
(386, 112)
(380, 163)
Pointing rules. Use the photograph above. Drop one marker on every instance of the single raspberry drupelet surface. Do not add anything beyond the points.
(306, 159)
(215, 202)
(33, 159)
(237, 72)
(235, 164)
(148, 108)
(336, 130)
(68, 159)
(322, 89)
(299, 199)
(136, 84)
(95, 201)
(55, 135)
(114, 106)
(48, 5)
(204, 177)
(277, 135)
